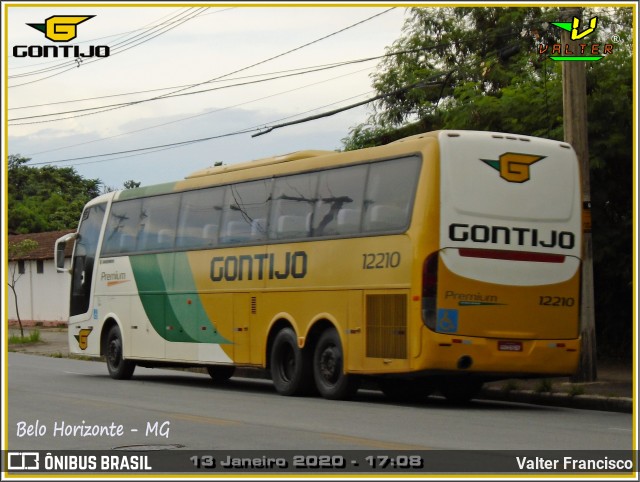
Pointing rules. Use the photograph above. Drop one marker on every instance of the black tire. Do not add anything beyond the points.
(119, 368)
(460, 391)
(221, 373)
(290, 366)
(399, 390)
(328, 368)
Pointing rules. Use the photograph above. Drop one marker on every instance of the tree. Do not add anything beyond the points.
(18, 250)
(480, 51)
(496, 80)
(46, 198)
(130, 184)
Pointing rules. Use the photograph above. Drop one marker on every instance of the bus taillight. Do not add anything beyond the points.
(430, 290)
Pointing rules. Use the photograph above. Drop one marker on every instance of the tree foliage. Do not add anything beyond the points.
(495, 79)
(46, 198)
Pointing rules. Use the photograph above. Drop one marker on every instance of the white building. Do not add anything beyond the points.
(42, 292)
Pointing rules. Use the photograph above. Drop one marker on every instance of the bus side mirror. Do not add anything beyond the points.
(61, 244)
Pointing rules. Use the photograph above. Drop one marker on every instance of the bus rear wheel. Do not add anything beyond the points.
(328, 368)
(290, 366)
(220, 373)
(119, 368)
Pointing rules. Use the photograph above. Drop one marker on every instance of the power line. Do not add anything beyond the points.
(113, 46)
(245, 131)
(352, 106)
(311, 70)
(247, 102)
(120, 106)
(196, 115)
(93, 40)
(75, 61)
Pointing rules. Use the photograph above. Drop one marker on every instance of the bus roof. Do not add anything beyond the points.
(293, 156)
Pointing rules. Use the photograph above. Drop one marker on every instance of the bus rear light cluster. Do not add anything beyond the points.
(430, 290)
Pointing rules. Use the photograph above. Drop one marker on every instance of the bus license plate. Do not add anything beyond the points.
(510, 346)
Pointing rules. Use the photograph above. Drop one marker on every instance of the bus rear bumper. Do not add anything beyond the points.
(495, 357)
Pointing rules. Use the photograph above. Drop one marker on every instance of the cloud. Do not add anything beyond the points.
(209, 46)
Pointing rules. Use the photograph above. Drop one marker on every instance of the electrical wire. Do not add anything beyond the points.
(311, 70)
(196, 115)
(79, 61)
(230, 73)
(244, 131)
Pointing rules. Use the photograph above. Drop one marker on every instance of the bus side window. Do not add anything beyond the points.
(158, 222)
(199, 218)
(339, 190)
(348, 221)
(291, 227)
(292, 204)
(390, 192)
(122, 228)
(210, 234)
(245, 210)
(235, 232)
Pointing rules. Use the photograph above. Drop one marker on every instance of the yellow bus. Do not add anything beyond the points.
(436, 262)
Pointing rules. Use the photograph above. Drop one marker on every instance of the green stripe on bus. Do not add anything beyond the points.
(153, 274)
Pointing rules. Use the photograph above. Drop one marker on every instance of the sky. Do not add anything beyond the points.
(172, 47)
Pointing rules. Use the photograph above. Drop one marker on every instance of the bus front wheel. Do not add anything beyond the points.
(328, 368)
(290, 366)
(119, 368)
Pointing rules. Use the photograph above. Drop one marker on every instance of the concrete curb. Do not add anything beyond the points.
(586, 402)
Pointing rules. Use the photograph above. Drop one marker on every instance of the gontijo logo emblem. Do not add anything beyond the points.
(82, 336)
(513, 167)
(61, 28)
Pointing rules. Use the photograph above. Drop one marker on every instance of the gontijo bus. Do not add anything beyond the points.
(439, 261)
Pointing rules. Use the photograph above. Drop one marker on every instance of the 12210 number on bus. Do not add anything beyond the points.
(556, 301)
(380, 260)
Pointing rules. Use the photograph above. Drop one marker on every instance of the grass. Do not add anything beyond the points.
(545, 386)
(80, 357)
(510, 386)
(32, 337)
(576, 390)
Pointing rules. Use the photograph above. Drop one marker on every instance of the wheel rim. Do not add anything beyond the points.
(114, 352)
(329, 364)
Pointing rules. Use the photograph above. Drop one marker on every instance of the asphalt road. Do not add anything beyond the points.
(48, 397)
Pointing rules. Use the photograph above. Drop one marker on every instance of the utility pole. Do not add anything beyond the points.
(574, 100)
